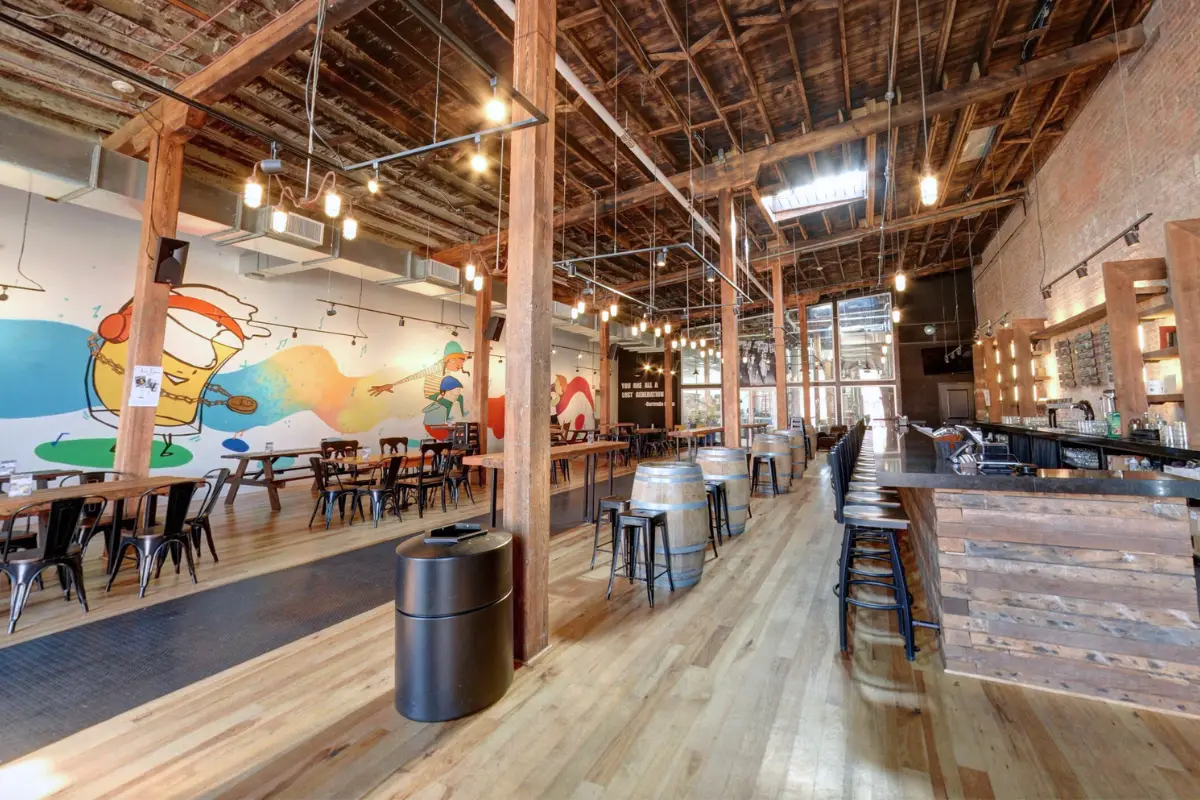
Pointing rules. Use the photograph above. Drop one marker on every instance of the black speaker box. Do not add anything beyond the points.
(613, 350)
(495, 326)
(170, 261)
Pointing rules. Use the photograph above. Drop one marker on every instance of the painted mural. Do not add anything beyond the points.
(236, 373)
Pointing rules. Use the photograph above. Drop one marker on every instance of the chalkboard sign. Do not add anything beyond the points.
(641, 389)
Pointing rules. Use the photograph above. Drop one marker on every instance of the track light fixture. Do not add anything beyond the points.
(1081, 271)
(1045, 292)
(331, 311)
(1133, 236)
(478, 159)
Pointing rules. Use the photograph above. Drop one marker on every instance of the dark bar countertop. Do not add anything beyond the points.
(1119, 444)
(910, 459)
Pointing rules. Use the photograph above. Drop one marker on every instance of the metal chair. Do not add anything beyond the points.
(381, 488)
(58, 549)
(330, 490)
(150, 544)
(430, 474)
(214, 481)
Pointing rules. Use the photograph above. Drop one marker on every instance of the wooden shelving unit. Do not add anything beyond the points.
(1160, 310)
(1088, 316)
(1161, 355)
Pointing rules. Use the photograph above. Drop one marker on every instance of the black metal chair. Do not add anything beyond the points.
(759, 461)
(379, 490)
(432, 473)
(718, 513)
(214, 481)
(641, 524)
(150, 544)
(57, 549)
(92, 521)
(457, 476)
(330, 490)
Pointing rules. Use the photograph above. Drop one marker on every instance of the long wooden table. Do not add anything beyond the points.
(116, 492)
(269, 480)
(750, 428)
(690, 434)
(589, 450)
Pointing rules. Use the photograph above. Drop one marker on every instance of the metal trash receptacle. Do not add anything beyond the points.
(454, 623)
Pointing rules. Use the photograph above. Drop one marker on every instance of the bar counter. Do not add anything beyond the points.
(1076, 581)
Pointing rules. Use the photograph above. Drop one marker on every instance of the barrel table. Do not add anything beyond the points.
(799, 461)
(780, 446)
(678, 489)
(728, 466)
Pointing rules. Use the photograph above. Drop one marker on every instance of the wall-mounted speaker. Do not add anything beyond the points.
(495, 326)
(170, 261)
(613, 350)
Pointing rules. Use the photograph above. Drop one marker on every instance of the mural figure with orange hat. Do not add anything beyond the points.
(205, 328)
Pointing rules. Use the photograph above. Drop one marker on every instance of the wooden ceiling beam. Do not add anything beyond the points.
(1049, 107)
(705, 85)
(251, 57)
(939, 59)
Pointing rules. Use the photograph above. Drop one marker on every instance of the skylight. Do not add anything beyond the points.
(819, 195)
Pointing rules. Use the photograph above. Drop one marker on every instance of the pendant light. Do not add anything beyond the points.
(929, 180)
(901, 281)
(612, 309)
(604, 315)
(349, 228)
(666, 327)
(494, 109)
(469, 271)
(896, 315)
(279, 219)
(478, 159)
(478, 283)
(333, 203)
(658, 332)
(252, 196)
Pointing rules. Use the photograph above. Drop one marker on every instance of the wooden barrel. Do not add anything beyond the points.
(798, 462)
(728, 465)
(678, 489)
(780, 446)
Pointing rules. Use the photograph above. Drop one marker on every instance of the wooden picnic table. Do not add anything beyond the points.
(116, 492)
(270, 479)
(589, 450)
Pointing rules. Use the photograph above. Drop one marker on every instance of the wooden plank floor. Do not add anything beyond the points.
(733, 689)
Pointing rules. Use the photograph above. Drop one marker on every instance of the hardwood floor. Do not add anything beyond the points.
(732, 689)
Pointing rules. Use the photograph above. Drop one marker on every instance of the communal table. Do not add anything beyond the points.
(589, 450)
(751, 428)
(42, 478)
(270, 479)
(690, 434)
(115, 492)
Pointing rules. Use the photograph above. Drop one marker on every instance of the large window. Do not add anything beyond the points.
(758, 405)
(698, 368)
(851, 361)
(701, 407)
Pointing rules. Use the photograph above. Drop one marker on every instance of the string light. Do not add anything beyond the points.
(253, 195)
(333, 203)
(901, 281)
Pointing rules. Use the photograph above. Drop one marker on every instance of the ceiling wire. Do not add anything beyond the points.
(1125, 113)
(921, 67)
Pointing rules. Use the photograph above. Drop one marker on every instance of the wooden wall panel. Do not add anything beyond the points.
(1183, 267)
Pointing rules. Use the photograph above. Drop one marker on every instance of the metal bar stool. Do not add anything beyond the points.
(635, 529)
(761, 460)
(718, 513)
(613, 505)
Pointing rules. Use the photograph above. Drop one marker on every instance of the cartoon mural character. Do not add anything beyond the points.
(205, 328)
(440, 411)
(572, 402)
(453, 360)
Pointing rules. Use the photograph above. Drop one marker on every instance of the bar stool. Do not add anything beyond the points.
(635, 528)
(718, 513)
(613, 505)
(761, 460)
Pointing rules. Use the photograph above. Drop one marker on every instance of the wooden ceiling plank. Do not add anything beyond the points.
(705, 85)
(1049, 107)
(939, 59)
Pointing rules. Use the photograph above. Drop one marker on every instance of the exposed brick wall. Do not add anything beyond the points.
(1087, 192)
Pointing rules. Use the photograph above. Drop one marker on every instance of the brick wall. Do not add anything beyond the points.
(1087, 192)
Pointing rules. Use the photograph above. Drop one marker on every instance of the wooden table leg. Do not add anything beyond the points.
(272, 486)
(235, 480)
(494, 484)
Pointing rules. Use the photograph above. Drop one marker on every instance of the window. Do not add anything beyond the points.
(795, 395)
(820, 343)
(698, 368)
(823, 410)
(700, 407)
(758, 405)
(877, 402)
(864, 327)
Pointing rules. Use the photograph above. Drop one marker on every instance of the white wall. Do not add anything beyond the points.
(304, 388)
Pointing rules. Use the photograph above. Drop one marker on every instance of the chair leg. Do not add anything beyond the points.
(646, 539)
(728, 524)
(843, 588)
(329, 504)
(191, 565)
(75, 567)
(212, 548)
(667, 556)
(774, 480)
(19, 594)
(595, 543)
(121, 549)
(618, 536)
(145, 569)
(316, 508)
(905, 611)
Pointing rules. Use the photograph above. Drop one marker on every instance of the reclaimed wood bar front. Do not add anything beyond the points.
(1075, 581)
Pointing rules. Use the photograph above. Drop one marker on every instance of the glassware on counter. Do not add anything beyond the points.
(1093, 427)
(1174, 434)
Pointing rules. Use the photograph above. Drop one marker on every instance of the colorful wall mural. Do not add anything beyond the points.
(235, 377)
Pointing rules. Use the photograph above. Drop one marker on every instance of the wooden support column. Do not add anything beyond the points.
(979, 366)
(603, 400)
(1183, 267)
(148, 324)
(1026, 386)
(730, 401)
(530, 299)
(806, 400)
(781, 406)
(992, 382)
(482, 358)
(668, 385)
(1006, 348)
(1120, 304)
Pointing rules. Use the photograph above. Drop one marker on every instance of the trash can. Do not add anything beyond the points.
(454, 624)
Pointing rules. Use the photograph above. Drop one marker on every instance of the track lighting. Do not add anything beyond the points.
(1045, 292)
(477, 283)
(349, 228)
(901, 281)
(494, 109)
(1081, 271)
(279, 220)
(929, 188)
(469, 271)
(253, 194)
(333, 203)
(1133, 236)
(331, 311)
(895, 315)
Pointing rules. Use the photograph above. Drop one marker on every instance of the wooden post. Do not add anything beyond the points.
(806, 400)
(1183, 266)
(1027, 400)
(979, 355)
(602, 394)
(482, 358)
(781, 405)
(730, 401)
(668, 384)
(530, 300)
(148, 325)
(992, 378)
(1120, 305)
(1005, 347)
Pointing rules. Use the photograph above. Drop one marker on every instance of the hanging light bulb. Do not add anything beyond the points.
(469, 269)
(901, 281)
(692, 344)
(710, 352)
(479, 162)
(333, 203)
(666, 327)
(372, 186)
(494, 109)
(887, 338)
(929, 187)
(574, 312)
(658, 332)
(279, 220)
(661, 259)
(612, 309)
(710, 275)
(885, 349)
(349, 228)
(643, 325)
(745, 359)
(604, 315)
(581, 305)
(253, 194)
(477, 283)
(895, 315)
(703, 341)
